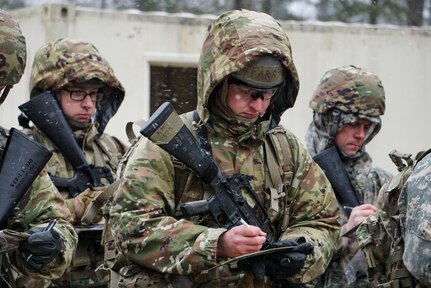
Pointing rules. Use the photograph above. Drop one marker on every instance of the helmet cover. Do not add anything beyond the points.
(12, 50)
(350, 90)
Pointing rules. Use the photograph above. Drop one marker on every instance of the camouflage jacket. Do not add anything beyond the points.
(101, 151)
(80, 62)
(145, 214)
(56, 65)
(37, 207)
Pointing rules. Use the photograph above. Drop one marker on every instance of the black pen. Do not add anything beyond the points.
(47, 228)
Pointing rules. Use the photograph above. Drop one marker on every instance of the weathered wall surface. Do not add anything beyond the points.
(131, 41)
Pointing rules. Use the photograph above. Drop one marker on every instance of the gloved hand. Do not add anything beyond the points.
(285, 264)
(279, 265)
(40, 248)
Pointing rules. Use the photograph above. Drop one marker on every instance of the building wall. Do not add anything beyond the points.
(132, 40)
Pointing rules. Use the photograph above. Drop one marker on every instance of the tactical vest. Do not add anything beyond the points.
(387, 270)
(278, 175)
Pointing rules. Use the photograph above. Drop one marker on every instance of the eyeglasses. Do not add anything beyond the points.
(79, 95)
(252, 93)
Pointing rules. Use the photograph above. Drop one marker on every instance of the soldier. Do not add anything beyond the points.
(44, 254)
(246, 80)
(79, 84)
(396, 240)
(347, 105)
(416, 218)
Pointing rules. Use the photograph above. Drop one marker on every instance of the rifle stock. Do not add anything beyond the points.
(330, 162)
(227, 206)
(23, 159)
(45, 112)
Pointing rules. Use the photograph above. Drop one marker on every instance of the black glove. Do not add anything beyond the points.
(40, 248)
(285, 264)
(279, 265)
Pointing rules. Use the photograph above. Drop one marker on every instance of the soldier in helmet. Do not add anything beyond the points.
(81, 85)
(347, 105)
(43, 253)
(414, 236)
(246, 80)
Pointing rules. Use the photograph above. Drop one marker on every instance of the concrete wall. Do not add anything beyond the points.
(132, 40)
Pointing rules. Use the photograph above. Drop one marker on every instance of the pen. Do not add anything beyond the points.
(243, 222)
(47, 228)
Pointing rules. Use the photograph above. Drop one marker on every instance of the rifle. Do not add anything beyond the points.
(23, 159)
(45, 112)
(330, 162)
(227, 205)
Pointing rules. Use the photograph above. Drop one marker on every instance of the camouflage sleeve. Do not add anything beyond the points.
(142, 218)
(313, 214)
(36, 209)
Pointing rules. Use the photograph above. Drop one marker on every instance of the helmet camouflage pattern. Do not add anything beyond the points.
(73, 62)
(350, 90)
(12, 50)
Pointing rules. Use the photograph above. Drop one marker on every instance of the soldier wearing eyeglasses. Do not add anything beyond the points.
(88, 93)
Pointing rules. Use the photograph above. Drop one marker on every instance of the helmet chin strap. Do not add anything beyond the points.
(336, 115)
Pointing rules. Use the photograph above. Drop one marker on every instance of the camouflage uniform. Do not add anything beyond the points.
(415, 209)
(57, 64)
(165, 250)
(355, 94)
(41, 202)
(396, 239)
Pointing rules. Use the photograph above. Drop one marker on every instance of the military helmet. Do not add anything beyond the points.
(351, 90)
(266, 72)
(12, 50)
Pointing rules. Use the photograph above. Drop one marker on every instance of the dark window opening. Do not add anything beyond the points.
(173, 84)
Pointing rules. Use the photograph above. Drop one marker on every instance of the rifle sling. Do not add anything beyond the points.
(273, 175)
(129, 129)
(97, 203)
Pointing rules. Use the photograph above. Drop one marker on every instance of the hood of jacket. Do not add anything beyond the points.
(72, 62)
(236, 39)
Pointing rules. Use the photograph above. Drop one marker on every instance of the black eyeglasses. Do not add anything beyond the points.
(79, 95)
